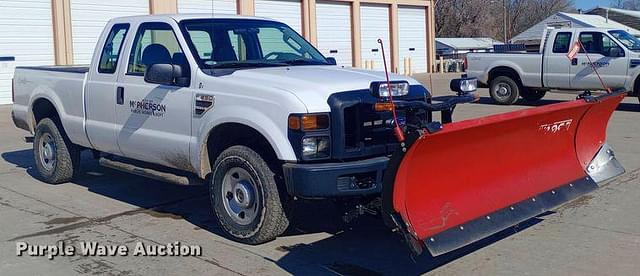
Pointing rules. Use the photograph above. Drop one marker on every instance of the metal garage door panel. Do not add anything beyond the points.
(374, 21)
(88, 18)
(204, 6)
(412, 37)
(334, 31)
(26, 33)
(287, 11)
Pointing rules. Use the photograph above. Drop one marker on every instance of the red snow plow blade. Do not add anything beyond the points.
(477, 177)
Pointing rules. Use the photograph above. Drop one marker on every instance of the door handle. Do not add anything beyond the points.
(574, 61)
(120, 95)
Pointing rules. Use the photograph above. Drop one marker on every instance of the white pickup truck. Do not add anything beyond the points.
(615, 54)
(249, 106)
(233, 100)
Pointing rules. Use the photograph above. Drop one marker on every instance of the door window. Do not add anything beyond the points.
(599, 43)
(155, 43)
(562, 43)
(111, 50)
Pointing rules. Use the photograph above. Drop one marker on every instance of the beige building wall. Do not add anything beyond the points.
(64, 46)
(163, 6)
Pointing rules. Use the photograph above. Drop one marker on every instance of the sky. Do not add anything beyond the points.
(590, 4)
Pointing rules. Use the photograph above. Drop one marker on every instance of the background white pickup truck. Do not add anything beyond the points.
(245, 103)
(615, 53)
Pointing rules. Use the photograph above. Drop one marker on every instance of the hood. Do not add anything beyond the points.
(314, 84)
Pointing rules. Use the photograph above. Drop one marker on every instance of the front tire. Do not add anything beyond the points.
(532, 95)
(57, 159)
(245, 198)
(504, 90)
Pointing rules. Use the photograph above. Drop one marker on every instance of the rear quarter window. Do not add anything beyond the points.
(562, 43)
(112, 48)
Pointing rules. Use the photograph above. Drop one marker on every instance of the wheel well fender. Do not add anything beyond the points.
(42, 108)
(230, 134)
(504, 71)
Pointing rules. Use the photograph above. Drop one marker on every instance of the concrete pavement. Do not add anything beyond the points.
(596, 234)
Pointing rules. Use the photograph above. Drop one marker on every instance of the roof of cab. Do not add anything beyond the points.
(185, 16)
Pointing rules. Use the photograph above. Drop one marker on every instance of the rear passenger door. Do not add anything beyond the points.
(100, 91)
(153, 120)
(557, 66)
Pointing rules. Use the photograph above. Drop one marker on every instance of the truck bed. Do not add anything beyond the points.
(527, 65)
(58, 68)
(61, 85)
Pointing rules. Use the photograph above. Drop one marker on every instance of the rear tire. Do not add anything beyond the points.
(57, 159)
(245, 198)
(530, 95)
(504, 90)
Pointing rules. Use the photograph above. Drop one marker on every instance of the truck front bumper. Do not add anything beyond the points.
(356, 178)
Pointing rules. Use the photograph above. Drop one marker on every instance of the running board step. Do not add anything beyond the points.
(154, 174)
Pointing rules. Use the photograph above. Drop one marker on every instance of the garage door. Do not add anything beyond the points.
(88, 18)
(333, 21)
(287, 11)
(204, 6)
(412, 38)
(374, 21)
(26, 33)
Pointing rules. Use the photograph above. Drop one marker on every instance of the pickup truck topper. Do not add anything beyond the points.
(615, 54)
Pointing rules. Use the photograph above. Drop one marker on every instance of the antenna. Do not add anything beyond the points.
(397, 130)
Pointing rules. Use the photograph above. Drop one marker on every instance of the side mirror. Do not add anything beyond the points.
(616, 52)
(332, 61)
(165, 74)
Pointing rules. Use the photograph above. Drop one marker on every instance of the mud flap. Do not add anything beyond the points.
(477, 177)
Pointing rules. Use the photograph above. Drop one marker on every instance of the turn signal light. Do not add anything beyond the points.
(309, 122)
(381, 107)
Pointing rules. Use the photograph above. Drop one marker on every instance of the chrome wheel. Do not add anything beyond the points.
(47, 152)
(240, 197)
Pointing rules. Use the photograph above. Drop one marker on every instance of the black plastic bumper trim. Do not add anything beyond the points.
(485, 226)
(321, 180)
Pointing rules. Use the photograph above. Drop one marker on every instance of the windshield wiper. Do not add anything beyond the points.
(303, 61)
(246, 64)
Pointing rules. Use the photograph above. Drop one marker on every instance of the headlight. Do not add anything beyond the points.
(382, 89)
(315, 147)
(464, 85)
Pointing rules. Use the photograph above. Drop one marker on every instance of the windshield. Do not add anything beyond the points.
(627, 39)
(232, 43)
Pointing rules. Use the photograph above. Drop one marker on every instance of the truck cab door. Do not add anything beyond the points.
(154, 120)
(100, 100)
(609, 58)
(557, 66)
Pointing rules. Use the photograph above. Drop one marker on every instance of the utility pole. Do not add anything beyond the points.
(504, 14)
(505, 19)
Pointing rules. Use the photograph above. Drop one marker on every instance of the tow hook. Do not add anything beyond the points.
(360, 209)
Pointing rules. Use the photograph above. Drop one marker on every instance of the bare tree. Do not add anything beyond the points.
(476, 18)
(526, 13)
(626, 4)
(456, 18)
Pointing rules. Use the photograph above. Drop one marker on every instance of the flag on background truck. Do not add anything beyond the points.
(574, 51)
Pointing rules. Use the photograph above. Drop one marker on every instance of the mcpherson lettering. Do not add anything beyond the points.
(147, 107)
